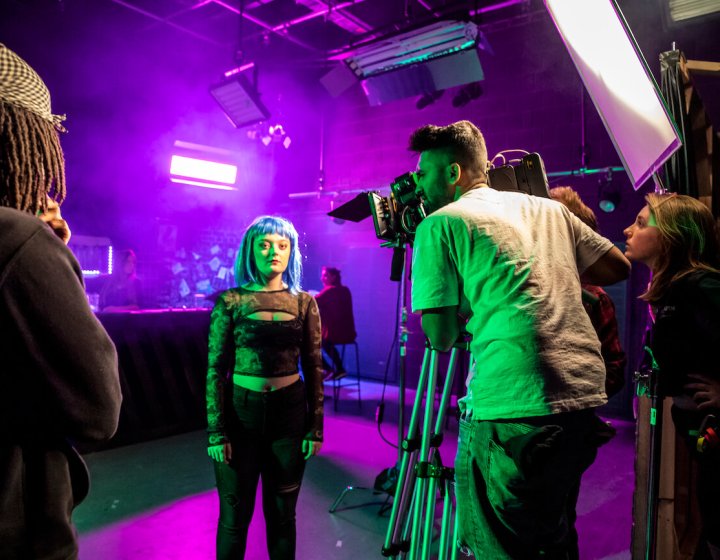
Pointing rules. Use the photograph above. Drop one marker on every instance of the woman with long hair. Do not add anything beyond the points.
(264, 420)
(676, 237)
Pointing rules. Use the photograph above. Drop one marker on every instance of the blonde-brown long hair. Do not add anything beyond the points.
(688, 240)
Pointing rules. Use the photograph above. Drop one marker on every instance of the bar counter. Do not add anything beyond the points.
(163, 362)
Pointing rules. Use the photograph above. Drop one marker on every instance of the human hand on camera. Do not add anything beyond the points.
(706, 391)
(52, 217)
(310, 448)
(221, 453)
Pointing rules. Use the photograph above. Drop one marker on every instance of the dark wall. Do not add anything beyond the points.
(131, 88)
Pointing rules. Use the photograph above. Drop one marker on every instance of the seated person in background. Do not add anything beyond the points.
(337, 320)
(122, 291)
(601, 310)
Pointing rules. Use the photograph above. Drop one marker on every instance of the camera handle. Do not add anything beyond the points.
(648, 384)
(421, 475)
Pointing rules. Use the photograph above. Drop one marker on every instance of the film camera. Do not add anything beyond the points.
(397, 215)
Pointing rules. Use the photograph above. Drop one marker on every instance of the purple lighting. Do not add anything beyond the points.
(202, 170)
(239, 69)
(202, 184)
(97, 272)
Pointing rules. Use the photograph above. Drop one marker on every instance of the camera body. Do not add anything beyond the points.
(397, 216)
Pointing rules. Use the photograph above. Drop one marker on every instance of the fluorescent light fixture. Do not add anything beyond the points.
(619, 83)
(202, 184)
(421, 45)
(436, 57)
(194, 168)
(240, 101)
(681, 10)
(232, 72)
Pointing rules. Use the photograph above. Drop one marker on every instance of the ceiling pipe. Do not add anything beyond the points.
(266, 26)
(166, 21)
(342, 19)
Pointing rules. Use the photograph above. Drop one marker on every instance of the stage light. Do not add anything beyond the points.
(608, 194)
(428, 99)
(419, 62)
(275, 133)
(619, 82)
(204, 170)
(467, 94)
(681, 10)
(240, 100)
(202, 184)
(438, 40)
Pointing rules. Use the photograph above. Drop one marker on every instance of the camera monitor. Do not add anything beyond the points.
(528, 177)
(619, 82)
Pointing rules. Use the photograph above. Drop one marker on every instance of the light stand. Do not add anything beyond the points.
(397, 274)
(648, 384)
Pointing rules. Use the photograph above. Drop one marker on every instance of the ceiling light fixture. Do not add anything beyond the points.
(239, 98)
(419, 62)
(467, 94)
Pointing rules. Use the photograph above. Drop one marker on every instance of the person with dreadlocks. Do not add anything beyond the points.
(59, 376)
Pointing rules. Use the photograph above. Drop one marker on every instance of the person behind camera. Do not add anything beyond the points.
(513, 262)
(676, 237)
(59, 370)
(122, 291)
(601, 310)
(597, 302)
(338, 323)
(263, 419)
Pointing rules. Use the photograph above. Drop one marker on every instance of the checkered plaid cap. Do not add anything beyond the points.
(21, 86)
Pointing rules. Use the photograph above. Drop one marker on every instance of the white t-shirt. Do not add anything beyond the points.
(516, 259)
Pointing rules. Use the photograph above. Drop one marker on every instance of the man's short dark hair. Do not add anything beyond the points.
(334, 273)
(462, 141)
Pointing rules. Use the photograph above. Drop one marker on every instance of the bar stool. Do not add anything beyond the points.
(338, 384)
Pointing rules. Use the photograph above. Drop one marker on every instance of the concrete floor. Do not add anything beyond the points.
(156, 500)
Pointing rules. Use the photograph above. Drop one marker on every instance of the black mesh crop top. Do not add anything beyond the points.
(240, 344)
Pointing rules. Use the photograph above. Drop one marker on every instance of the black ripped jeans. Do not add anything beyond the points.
(266, 432)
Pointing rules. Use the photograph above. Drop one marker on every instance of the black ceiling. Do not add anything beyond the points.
(247, 29)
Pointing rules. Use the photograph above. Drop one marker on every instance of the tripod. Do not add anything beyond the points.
(422, 475)
(648, 384)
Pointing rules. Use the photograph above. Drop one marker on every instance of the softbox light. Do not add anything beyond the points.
(619, 82)
(419, 62)
(240, 101)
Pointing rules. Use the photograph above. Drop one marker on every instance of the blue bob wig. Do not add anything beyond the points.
(245, 268)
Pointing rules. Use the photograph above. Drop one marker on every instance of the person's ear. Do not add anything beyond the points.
(454, 172)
